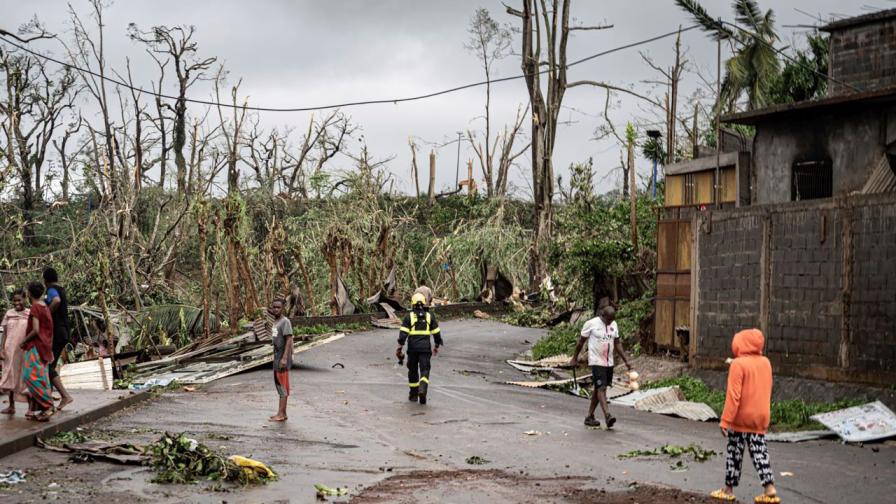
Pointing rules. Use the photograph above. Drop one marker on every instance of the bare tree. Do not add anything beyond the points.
(322, 141)
(545, 32)
(490, 42)
(178, 45)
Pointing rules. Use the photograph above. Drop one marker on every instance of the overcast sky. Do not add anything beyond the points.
(302, 53)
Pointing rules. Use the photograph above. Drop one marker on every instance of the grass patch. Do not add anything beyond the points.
(559, 340)
(790, 415)
(330, 328)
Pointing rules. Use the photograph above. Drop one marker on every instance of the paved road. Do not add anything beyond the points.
(353, 427)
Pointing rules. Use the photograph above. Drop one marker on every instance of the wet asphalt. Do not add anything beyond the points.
(352, 425)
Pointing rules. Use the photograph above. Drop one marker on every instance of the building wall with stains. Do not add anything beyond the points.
(819, 279)
(852, 139)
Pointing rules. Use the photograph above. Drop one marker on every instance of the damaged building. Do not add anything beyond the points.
(798, 237)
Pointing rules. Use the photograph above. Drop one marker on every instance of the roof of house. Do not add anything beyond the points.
(724, 159)
(845, 100)
(873, 17)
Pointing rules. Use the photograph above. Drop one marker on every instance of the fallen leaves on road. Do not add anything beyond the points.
(699, 454)
(477, 460)
(324, 491)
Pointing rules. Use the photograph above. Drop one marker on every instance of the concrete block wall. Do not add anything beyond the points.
(872, 304)
(805, 287)
(864, 56)
(729, 273)
(819, 278)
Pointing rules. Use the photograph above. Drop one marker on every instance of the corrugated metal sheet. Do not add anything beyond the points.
(882, 178)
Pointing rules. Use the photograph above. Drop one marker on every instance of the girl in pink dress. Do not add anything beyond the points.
(14, 326)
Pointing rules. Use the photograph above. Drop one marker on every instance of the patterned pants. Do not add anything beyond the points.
(735, 457)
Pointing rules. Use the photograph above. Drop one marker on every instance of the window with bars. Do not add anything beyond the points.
(812, 180)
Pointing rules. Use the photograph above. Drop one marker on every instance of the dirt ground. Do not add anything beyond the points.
(502, 486)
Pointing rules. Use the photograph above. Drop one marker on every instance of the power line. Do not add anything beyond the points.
(346, 104)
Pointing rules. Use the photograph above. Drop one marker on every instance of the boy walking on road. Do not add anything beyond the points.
(602, 335)
(281, 337)
(746, 416)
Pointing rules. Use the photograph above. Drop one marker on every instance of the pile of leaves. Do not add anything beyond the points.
(698, 453)
(179, 459)
(67, 438)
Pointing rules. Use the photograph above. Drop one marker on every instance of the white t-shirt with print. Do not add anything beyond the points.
(600, 341)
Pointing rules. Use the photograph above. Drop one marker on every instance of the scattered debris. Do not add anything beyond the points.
(799, 436)
(338, 365)
(218, 357)
(868, 422)
(94, 374)
(481, 315)
(324, 491)
(91, 451)
(666, 401)
(253, 469)
(12, 477)
(698, 453)
(190, 388)
(179, 459)
(786, 473)
(533, 433)
(477, 460)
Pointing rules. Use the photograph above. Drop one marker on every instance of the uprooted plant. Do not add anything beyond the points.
(179, 459)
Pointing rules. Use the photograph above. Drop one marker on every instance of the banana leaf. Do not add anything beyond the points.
(170, 324)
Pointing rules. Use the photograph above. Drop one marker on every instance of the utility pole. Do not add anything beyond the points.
(457, 166)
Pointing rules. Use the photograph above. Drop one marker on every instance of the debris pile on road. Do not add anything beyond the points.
(868, 422)
(220, 356)
(174, 458)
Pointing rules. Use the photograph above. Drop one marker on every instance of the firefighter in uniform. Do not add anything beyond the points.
(416, 329)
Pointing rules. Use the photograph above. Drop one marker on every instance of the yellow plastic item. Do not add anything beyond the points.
(418, 298)
(253, 467)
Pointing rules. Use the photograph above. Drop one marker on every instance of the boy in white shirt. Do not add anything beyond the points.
(602, 335)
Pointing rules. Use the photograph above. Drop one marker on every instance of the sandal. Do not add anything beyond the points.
(722, 495)
(767, 499)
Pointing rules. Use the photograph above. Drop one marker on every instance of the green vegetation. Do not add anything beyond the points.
(477, 460)
(790, 415)
(698, 453)
(325, 329)
(559, 340)
(179, 459)
(67, 437)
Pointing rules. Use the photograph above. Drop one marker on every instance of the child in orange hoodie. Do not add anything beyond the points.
(746, 415)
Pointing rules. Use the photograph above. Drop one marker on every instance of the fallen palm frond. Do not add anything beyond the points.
(179, 459)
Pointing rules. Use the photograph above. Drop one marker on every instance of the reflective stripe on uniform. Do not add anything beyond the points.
(405, 329)
(413, 331)
(424, 379)
(415, 385)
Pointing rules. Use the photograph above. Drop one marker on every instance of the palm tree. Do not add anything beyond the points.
(754, 65)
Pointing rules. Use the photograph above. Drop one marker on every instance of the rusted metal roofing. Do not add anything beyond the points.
(881, 95)
(873, 17)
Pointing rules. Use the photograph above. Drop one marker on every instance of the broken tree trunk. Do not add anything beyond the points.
(432, 177)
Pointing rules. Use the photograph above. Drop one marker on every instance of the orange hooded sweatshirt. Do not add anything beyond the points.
(749, 395)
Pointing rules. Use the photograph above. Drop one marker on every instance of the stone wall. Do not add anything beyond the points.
(863, 56)
(819, 278)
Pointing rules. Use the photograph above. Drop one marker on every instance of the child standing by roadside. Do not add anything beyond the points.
(281, 337)
(746, 416)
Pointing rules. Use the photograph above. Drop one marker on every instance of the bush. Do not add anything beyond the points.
(559, 340)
